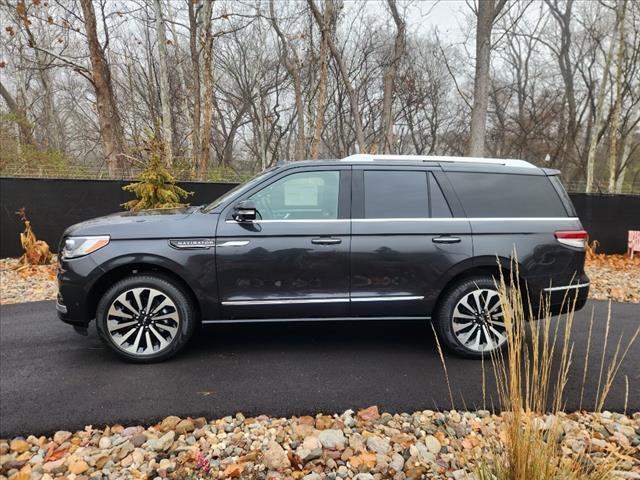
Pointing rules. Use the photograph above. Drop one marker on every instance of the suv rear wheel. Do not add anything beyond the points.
(145, 318)
(469, 319)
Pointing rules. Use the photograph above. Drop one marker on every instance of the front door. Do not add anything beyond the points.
(293, 260)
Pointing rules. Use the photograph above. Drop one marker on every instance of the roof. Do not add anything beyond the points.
(508, 162)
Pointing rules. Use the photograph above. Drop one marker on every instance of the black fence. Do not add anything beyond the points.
(54, 204)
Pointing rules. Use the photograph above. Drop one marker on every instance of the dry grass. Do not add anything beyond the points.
(531, 376)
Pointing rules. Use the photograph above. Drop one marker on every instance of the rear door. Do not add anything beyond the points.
(404, 240)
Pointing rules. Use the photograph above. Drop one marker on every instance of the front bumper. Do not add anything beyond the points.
(73, 304)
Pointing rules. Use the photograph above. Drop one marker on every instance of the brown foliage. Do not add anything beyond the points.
(36, 252)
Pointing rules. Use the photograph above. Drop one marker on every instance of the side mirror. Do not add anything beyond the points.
(245, 211)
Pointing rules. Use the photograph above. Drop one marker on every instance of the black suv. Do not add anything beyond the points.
(366, 237)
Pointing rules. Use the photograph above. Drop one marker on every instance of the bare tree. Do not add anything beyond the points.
(110, 126)
(388, 88)
(486, 13)
(165, 95)
(344, 74)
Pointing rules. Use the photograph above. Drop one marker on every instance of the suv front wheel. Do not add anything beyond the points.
(145, 318)
(469, 319)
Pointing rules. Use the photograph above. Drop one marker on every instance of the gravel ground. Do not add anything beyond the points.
(619, 282)
(363, 446)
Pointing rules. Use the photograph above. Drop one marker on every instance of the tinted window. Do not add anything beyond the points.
(439, 205)
(395, 194)
(504, 195)
(304, 195)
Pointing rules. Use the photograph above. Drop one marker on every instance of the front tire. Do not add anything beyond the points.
(469, 319)
(145, 318)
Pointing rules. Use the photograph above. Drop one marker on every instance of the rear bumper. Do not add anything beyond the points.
(566, 297)
(560, 297)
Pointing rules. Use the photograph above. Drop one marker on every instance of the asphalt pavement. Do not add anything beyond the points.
(51, 378)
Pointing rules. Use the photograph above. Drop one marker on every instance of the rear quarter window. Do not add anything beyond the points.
(490, 195)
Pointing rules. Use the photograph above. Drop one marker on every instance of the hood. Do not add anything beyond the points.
(158, 223)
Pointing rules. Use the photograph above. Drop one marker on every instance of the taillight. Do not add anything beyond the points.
(573, 238)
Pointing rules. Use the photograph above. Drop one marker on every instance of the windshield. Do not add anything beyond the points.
(243, 186)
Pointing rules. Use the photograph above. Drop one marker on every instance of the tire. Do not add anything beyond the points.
(145, 336)
(467, 319)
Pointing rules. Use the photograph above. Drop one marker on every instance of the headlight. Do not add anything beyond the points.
(79, 246)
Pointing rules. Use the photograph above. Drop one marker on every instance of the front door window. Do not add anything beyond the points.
(300, 196)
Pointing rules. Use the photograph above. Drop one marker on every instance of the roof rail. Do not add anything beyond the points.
(365, 157)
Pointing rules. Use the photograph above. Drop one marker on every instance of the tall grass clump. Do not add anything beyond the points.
(531, 375)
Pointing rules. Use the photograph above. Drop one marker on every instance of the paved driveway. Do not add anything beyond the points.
(52, 378)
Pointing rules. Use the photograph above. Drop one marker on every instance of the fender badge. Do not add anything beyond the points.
(193, 243)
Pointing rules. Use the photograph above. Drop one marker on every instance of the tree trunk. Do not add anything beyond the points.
(322, 81)
(195, 66)
(344, 74)
(20, 116)
(387, 142)
(599, 114)
(165, 94)
(292, 64)
(207, 52)
(617, 108)
(110, 126)
(486, 14)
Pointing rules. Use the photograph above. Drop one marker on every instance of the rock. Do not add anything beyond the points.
(461, 475)
(78, 467)
(104, 443)
(275, 457)
(397, 462)
(333, 439)
(312, 476)
(363, 476)
(303, 430)
(162, 443)
(55, 466)
(126, 461)
(100, 462)
(433, 444)
(18, 445)
(378, 445)
(324, 422)
(61, 437)
(185, 426)
(232, 471)
(369, 414)
(199, 422)
(366, 459)
(169, 423)
(130, 431)
(138, 440)
(310, 449)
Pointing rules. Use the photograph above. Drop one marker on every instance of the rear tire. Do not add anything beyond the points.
(469, 318)
(145, 318)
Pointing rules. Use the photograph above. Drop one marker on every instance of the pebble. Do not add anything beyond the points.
(368, 445)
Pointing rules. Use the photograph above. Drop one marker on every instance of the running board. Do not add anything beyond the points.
(320, 319)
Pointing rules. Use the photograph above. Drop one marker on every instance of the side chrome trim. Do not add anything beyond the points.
(287, 301)
(233, 243)
(314, 319)
(290, 301)
(387, 299)
(420, 219)
(567, 287)
(466, 219)
(60, 307)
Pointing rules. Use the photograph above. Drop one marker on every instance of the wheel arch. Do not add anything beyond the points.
(493, 266)
(122, 269)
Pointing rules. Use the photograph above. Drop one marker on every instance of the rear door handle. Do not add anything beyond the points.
(326, 241)
(445, 239)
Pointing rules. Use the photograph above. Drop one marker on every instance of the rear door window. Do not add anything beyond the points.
(402, 194)
(491, 195)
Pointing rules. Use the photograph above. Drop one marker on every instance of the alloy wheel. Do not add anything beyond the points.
(478, 322)
(143, 321)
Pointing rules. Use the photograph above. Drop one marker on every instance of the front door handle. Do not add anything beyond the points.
(326, 241)
(445, 239)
